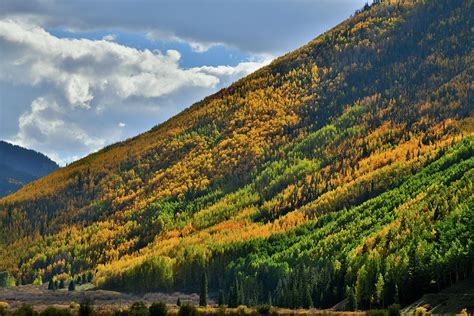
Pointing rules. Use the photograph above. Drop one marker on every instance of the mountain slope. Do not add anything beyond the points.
(18, 166)
(343, 168)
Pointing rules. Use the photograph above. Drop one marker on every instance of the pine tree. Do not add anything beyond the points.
(61, 284)
(379, 290)
(84, 278)
(178, 302)
(220, 301)
(51, 284)
(203, 293)
(351, 299)
(232, 297)
(72, 286)
(89, 277)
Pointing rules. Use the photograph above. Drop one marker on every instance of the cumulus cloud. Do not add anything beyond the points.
(43, 127)
(263, 26)
(79, 87)
(109, 37)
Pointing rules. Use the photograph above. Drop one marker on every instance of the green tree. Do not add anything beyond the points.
(351, 299)
(379, 290)
(61, 284)
(72, 286)
(220, 300)
(203, 293)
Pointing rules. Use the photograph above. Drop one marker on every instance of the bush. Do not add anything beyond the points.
(138, 309)
(376, 312)
(187, 310)
(264, 309)
(25, 310)
(158, 309)
(73, 305)
(419, 311)
(54, 311)
(85, 309)
(394, 310)
(3, 308)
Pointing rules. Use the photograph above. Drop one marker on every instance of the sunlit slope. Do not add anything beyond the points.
(292, 180)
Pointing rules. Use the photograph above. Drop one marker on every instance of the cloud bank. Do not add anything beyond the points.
(81, 81)
(257, 26)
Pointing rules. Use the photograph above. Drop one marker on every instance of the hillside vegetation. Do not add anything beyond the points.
(342, 169)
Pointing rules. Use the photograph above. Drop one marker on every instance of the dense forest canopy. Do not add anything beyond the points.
(342, 169)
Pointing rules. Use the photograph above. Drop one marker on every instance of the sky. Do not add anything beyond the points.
(78, 75)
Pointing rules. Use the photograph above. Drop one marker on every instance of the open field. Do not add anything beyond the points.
(40, 297)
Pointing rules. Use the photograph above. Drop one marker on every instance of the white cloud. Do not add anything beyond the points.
(121, 124)
(43, 127)
(80, 88)
(264, 26)
(109, 37)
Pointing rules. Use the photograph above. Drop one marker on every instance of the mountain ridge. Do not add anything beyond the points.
(346, 131)
(19, 166)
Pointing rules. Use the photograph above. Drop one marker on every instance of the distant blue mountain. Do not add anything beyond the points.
(19, 165)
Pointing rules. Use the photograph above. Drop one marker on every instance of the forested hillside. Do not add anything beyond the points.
(18, 166)
(342, 169)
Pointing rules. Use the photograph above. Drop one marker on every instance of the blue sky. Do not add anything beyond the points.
(79, 75)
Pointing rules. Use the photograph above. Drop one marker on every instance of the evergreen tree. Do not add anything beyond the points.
(351, 299)
(178, 302)
(232, 297)
(84, 278)
(220, 301)
(203, 293)
(89, 277)
(51, 284)
(379, 290)
(61, 284)
(72, 286)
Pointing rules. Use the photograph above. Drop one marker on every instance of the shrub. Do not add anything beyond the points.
(394, 310)
(419, 311)
(85, 309)
(138, 309)
(73, 305)
(158, 309)
(264, 309)
(25, 310)
(54, 311)
(376, 312)
(187, 310)
(3, 308)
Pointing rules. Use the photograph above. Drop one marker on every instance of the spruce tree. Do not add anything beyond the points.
(178, 302)
(72, 286)
(220, 301)
(51, 284)
(203, 293)
(61, 284)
